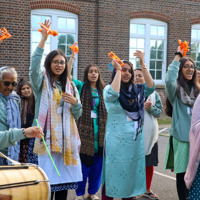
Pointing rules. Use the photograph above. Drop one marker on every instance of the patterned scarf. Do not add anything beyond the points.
(58, 123)
(86, 127)
(13, 121)
(186, 98)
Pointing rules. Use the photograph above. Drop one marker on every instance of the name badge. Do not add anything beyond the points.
(59, 110)
(189, 111)
(93, 115)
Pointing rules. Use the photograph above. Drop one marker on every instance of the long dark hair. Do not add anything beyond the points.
(31, 99)
(99, 84)
(183, 83)
(47, 64)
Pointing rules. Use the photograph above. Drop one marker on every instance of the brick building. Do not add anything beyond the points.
(101, 26)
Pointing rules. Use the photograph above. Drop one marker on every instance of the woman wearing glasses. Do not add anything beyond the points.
(10, 109)
(57, 106)
(181, 93)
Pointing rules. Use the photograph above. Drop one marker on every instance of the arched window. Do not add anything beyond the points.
(195, 44)
(149, 35)
(65, 23)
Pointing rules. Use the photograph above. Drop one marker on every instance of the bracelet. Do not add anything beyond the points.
(23, 131)
(119, 69)
(178, 53)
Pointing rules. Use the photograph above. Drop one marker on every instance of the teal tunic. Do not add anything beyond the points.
(95, 96)
(177, 154)
(124, 172)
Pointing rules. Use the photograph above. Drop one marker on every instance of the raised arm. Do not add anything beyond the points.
(35, 71)
(70, 64)
(44, 35)
(116, 83)
(171, 76)
(147, 76)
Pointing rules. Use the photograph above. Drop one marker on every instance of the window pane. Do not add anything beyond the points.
(193, 46)
(198, 47)
(152, 74)
(198, 65)
(152, 64)
(131, 51)
(198, 57)
(158, 75)
(45, 17)
(71, 24)
(133, 43)
(35, 20)
(133, 28)
(160, 55)
(153, 44)
(47, 48)
(193, 56)
(137, 64)
(159, 65)
(34, 46)
(152, 54)
(36, 36)
(198, 34)
(140, 44)
(69, 51)
(141, 28)
(70, 38)
(194, 34)
(161, 31)
(153, 30)
(62, 48)
(62, 39)
(62, 23)
(160, 44)
(133, 62)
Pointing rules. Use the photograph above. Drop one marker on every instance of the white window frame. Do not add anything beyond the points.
(197, 27)
(55, 13)
(147, 37)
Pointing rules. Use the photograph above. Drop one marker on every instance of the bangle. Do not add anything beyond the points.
(23, 131)
(119, 69)
(178, 53)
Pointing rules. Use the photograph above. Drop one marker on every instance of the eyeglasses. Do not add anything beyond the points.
(56, 62)
(7, 83)
(188, 67)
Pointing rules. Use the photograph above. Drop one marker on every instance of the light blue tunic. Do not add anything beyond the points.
(124, 172)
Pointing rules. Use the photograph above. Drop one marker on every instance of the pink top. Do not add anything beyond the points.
(194, 156)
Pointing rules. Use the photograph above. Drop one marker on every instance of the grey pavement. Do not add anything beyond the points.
(164, 183)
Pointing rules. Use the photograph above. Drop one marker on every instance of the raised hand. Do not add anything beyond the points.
(140, 55)
(147, 105)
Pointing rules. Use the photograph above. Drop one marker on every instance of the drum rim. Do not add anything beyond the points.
(43, 172)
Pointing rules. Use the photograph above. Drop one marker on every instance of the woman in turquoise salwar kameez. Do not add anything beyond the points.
(124, 158)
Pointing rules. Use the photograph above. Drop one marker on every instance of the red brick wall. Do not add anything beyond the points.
(103, 27)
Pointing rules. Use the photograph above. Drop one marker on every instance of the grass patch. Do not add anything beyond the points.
(164, 121)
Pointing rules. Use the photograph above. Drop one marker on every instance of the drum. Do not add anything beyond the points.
(24, 182)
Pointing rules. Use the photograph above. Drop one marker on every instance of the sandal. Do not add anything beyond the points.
(135, 197)
(79, 198)
(93, 197)
(151, 195)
